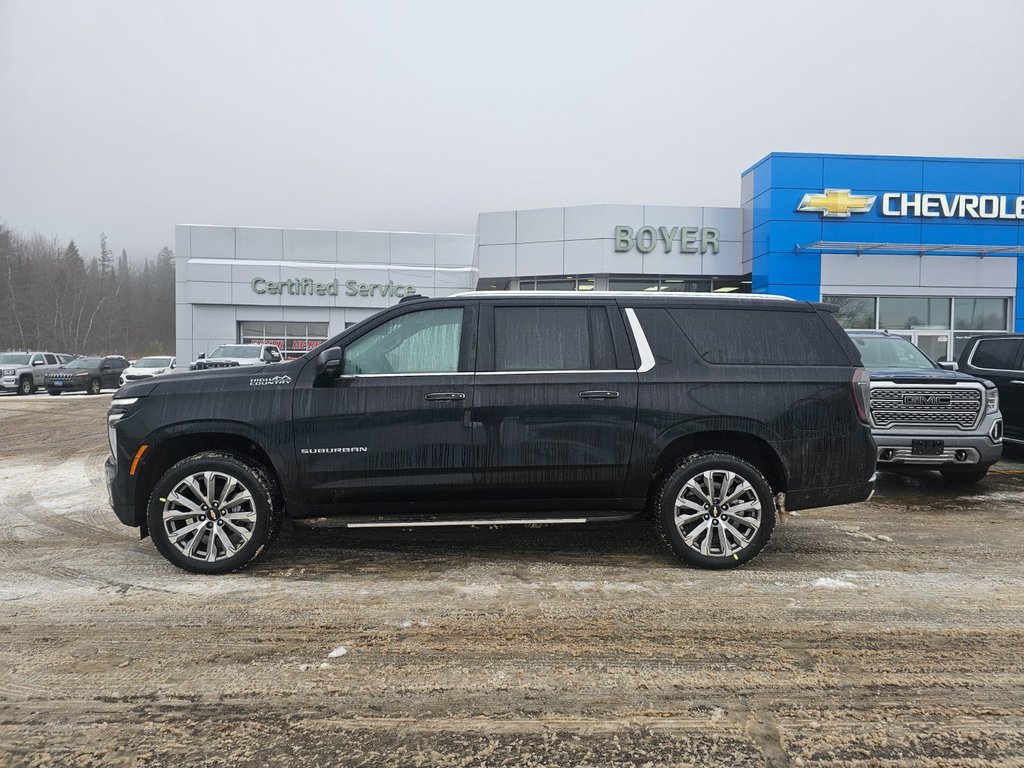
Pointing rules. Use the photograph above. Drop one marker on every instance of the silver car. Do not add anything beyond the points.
(148, 367)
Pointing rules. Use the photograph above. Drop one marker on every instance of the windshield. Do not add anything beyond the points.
(84, 362)
(13, 358)
(153, 362)
(890, 352)
(236, 350)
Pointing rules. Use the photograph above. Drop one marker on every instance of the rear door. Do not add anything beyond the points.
(394, 426)
(555, 401)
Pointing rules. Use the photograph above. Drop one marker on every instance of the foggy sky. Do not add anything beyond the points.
(130, 117)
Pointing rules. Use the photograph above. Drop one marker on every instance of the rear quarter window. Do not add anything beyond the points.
(996, 354)
(760, 336)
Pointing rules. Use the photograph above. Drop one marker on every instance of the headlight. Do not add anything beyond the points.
(162, 370)
(112, 419)
(991, 400)
(82, 373)
(8, 371)
(123, 402)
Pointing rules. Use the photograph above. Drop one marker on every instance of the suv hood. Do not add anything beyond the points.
(201, 378)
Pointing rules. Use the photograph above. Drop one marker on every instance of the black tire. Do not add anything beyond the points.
(54, 392)
(718, 520)
(95, 386)
(25, 386)
(963, 478)
(250, 475)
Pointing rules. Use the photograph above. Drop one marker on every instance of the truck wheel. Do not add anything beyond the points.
(25, 385)
(95, 387)
(964, 478)
(714, 510)
(214, 512)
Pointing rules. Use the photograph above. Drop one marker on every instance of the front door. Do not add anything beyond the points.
(555, 408)
(393, 426)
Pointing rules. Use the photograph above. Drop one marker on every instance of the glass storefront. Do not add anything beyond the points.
(938, 325)
(650, 283)
(293, 339)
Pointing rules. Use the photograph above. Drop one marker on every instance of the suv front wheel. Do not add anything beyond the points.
(214, 512)
(715, 510)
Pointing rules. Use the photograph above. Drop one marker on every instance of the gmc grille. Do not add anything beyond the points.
(957, 407)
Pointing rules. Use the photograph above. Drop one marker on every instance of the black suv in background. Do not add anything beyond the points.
(1000, 359)
(704, 411)
(88, 374)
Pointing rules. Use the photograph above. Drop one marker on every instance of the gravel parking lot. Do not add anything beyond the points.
(886, 633)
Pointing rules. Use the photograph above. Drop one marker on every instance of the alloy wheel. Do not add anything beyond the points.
(717, 513)
(209, 516)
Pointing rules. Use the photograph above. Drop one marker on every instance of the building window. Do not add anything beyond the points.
(913, 313)
(979, 314)
(293, 339)
(854, 311)
(925, 320)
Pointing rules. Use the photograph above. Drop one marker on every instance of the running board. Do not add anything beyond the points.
(457, 520)
(438, 523)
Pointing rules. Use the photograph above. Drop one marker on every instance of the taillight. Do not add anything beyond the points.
(861, 386)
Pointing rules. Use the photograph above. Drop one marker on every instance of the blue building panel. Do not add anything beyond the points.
(883, 174)
(864, 230)
(971, 177)
(969, 234)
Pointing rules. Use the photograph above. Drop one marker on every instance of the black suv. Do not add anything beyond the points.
(87, 374)
(1000, 359)
(496, 408)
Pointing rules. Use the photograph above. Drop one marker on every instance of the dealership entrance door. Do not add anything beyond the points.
(935, 344)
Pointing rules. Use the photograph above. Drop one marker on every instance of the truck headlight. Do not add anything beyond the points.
(991, 400)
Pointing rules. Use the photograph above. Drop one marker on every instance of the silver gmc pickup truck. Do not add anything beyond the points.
(924, 416)
(24, 372)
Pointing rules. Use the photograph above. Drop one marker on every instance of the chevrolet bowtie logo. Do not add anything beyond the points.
(836, 203)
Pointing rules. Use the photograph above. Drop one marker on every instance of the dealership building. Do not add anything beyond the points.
(931, 248)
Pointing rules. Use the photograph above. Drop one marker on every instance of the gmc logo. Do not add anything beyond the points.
(927, 399)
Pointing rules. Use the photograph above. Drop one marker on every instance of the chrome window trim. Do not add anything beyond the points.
(970, 360)
(647, 361)
(646, 356)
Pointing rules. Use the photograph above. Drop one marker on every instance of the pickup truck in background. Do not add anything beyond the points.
(926, 416)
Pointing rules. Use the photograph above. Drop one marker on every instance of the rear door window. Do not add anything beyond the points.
(996, 354)
(51, 359)
(552, 338)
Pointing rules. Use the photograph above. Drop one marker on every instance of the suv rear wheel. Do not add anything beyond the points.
(214, 512)
(715, 510)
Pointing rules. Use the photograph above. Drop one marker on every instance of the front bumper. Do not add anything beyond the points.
(976, 450)
(9, 382)
(68, 385)
(119, 495)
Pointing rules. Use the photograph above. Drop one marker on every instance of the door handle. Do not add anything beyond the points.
(445, 396)
(599, 394)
